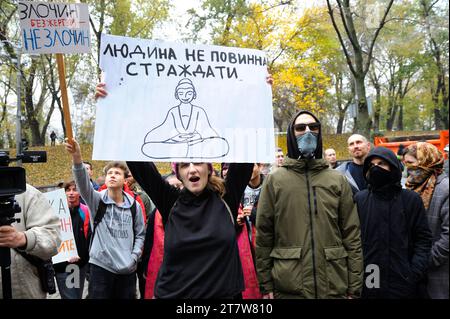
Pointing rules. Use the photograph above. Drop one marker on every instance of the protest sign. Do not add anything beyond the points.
(170, 101)
(54, 27)
(67, 249)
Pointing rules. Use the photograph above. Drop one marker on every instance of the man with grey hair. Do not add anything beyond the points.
(358, 148)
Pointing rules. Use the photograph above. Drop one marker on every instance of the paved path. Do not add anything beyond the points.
(85, 292)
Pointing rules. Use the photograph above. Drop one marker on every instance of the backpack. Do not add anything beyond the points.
(101, 210)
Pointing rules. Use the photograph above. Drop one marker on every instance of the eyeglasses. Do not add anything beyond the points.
(301, 128)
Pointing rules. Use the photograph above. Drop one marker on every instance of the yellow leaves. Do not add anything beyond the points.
(303, 85)
(338, 142)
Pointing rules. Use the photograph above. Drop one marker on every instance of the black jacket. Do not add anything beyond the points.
(395, 234)
(201, 256)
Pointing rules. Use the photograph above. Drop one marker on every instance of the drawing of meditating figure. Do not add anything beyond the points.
(187, 126)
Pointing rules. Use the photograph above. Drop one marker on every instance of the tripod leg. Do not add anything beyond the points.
(5, 263)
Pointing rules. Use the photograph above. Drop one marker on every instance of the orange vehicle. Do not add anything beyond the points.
(440, 140)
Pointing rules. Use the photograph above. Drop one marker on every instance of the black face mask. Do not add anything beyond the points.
(379, 177)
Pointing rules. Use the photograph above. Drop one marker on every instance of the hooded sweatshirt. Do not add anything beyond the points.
(117, 243)
(394, 232)
(292, 146)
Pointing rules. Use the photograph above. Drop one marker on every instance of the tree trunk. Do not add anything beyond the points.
(377, 109)
(32, 110)
(377, 105)
(279, 123)
(340, 123)
(47, 121)
(440, 95)
(63, 123)
(437, 96)
(400, 115)
(363, 123)
(36, 138)
(355, 61)
(437, 118)
(391, 115)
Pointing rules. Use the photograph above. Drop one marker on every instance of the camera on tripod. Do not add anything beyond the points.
(12, 182)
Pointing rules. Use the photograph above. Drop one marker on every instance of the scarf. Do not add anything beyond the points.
(423, 175)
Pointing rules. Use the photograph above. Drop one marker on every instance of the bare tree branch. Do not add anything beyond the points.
(347, 56)
(350, 36)
(282, 3)
(377, 32)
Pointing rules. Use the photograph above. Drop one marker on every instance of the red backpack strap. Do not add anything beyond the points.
(138, 198)
(85, 210)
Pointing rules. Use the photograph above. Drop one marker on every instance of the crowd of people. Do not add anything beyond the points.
(304, 228)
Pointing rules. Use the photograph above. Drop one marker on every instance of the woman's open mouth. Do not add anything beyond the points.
(194, 179)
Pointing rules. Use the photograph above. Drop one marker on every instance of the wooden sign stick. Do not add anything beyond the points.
(65, 100)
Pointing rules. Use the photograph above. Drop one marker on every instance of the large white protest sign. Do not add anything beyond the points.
(68, 248)
(54, 27)
(177, 102)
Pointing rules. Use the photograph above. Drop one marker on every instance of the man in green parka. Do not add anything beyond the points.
(308, 242)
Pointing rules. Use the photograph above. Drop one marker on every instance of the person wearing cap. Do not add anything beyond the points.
(394, 231)
(426, 177)
(307, 229)
(186, 125)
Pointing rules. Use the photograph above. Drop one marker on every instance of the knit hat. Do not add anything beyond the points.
(177, 169)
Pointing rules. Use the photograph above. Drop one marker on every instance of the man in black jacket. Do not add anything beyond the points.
(394, 231)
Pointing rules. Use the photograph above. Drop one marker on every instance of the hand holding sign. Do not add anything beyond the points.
(56, 28)
(100, 90)
(183, 102)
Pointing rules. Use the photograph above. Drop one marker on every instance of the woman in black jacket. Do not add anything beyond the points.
(201, 257)
(394, 230)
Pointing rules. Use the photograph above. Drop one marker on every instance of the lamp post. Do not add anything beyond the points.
(19, 108)
(17, 61)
